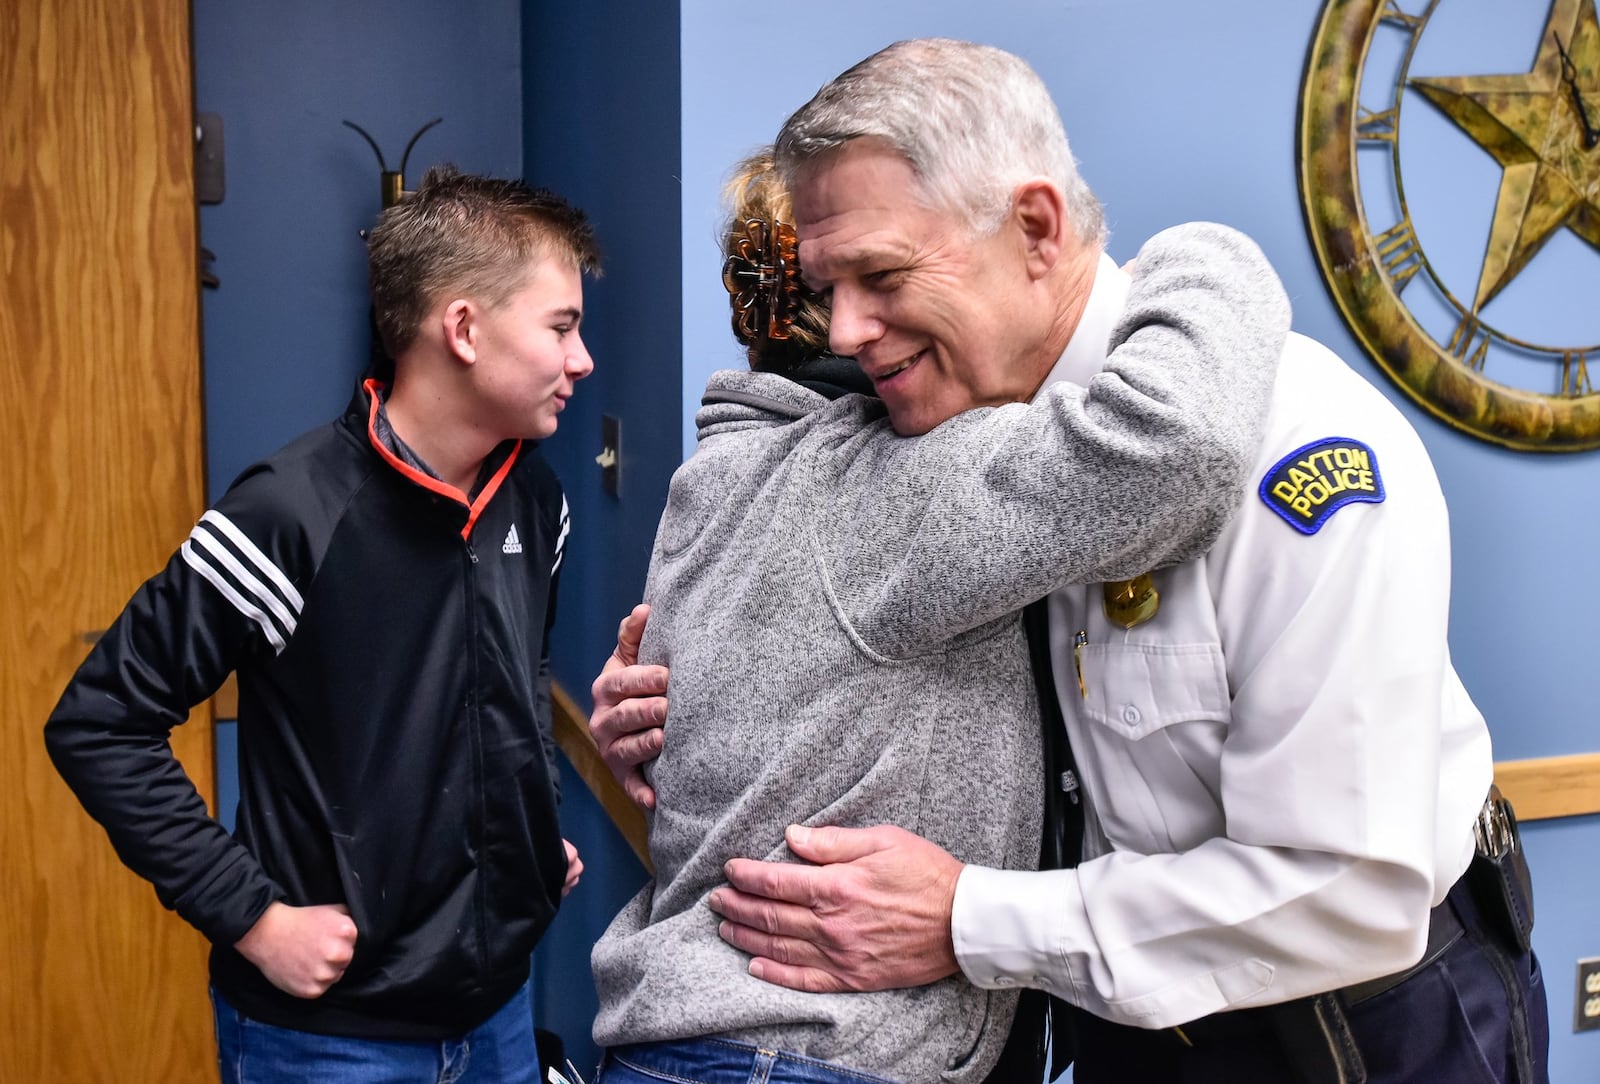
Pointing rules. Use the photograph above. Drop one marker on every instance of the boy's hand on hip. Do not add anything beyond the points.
(301, 950)
(574, 867)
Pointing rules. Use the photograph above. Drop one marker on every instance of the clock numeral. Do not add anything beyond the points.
(1395, 17)
(1377, 127)
(1399, 253)
(1575, 374)
(1466, 344)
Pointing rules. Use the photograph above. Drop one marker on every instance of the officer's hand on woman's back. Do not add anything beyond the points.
(630, 708)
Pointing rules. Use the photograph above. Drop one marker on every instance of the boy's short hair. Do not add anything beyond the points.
(471, 235)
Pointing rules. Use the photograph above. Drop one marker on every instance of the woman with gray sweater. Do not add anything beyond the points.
(838, 606)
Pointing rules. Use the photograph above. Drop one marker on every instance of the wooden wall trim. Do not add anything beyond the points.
(572, 735)
(1539, 789)
(1547, 787)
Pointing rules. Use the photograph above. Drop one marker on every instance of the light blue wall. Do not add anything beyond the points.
(1178, 111)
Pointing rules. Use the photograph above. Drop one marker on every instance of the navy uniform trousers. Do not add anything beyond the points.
(1475, 1015)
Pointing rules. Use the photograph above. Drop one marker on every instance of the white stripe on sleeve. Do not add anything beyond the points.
(257, 558)
(201, 565)
(216, 551)
(561, 539)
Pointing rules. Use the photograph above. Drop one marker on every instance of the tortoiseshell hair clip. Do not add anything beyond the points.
(762, 276)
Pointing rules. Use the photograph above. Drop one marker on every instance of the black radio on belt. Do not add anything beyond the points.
(1498, 876)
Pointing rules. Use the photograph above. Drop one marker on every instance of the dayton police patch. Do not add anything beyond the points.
(1311, 483)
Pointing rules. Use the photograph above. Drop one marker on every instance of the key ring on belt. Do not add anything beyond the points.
(1492, 831)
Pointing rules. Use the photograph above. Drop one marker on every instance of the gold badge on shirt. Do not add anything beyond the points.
(1131, 602)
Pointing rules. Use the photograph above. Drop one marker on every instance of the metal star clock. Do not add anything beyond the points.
(1438, 334)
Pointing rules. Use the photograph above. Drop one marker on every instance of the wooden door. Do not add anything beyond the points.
(102, 476)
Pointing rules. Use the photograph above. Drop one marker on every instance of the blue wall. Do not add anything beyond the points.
(602, 124)
(1177, 111)
(1180, 111)
(286, 333)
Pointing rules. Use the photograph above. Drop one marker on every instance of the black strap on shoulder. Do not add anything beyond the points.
(1062, 846)
(1039, 1014)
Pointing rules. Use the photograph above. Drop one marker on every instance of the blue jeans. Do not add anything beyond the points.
(720, 1061)
(499, 1051)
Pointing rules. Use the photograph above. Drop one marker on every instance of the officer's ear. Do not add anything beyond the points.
(1039, 215)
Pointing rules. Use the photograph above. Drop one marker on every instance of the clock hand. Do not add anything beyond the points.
(1591, 136)
(1569, 75)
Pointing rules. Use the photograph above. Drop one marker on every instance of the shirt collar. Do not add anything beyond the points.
(1085, 354)
(384, 431)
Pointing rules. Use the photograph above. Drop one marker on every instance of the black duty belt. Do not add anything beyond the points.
(1444, 930)
(1494, 897)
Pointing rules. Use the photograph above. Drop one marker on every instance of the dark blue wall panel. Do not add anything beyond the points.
(601, 126)
(286, 332)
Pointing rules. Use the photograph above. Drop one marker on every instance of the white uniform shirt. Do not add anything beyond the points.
(1281, 767)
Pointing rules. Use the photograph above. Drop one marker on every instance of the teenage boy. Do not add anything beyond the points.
(384, 587)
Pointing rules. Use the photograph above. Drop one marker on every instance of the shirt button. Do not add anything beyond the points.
(1130, 714)
(1005, 981)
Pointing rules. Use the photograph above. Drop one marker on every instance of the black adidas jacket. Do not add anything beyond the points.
(393, 755)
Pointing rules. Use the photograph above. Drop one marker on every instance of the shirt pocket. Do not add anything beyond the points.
(1155, 716)
(1135, 689)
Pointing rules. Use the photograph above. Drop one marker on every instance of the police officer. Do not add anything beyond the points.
(1290, 867)
(1281, 779)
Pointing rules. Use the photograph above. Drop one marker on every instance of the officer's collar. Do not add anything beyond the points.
(1085, 354)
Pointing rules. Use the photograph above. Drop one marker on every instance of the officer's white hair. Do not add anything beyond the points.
(973, 121)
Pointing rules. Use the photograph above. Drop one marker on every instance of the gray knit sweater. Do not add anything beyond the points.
(838, 607)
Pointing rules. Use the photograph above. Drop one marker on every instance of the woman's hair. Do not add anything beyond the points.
(476, 235)
(973, 121)
(781, 323)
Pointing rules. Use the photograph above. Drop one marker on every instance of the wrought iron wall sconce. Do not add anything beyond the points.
(392, 182)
